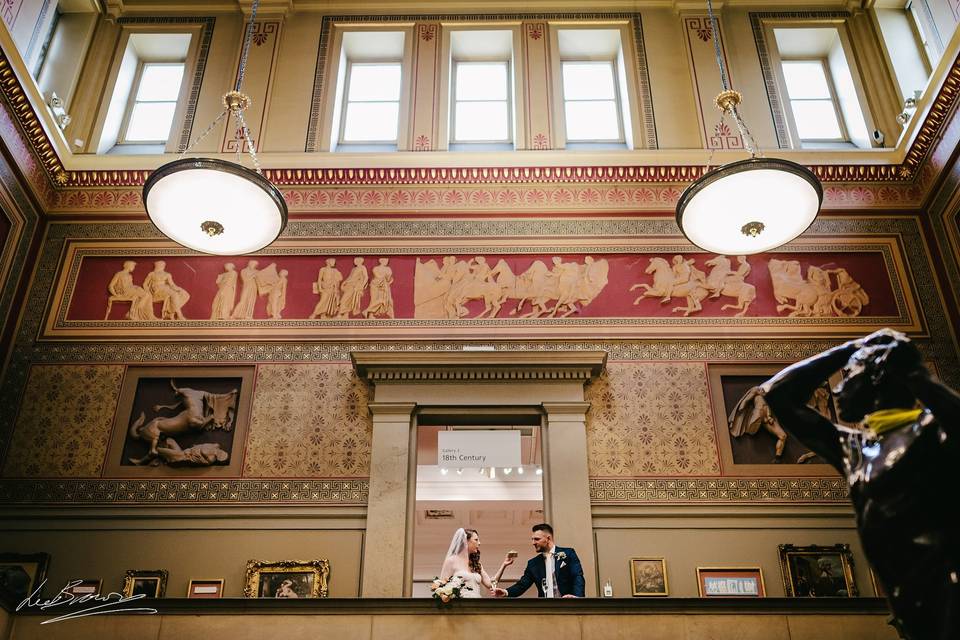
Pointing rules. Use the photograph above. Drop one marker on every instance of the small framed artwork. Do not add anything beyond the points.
(817, 571)
(205, 588)
(287, 579)
(730, 582)
(649, 576)
(20, 573)
(150, 583)
(78, 587)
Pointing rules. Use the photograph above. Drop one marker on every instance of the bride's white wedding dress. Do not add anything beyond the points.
(471, 580)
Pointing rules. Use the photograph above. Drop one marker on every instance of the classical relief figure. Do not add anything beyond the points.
(443, 291)
(682, 279)
(200, 455)
(226, 293)
(381, 299)
(351, 290)
(724, 281)
(328, 286)
(161, 286)
(752, 413)
(201, 411)
(277, 295)
(815, 295)
(122, 289)
(248, 292)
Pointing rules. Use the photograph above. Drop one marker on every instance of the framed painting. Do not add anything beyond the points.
(817, 571)
(149, 583)
(730, 582)
(287, 579)
(648, 576)
(21, 573)
(180, 422)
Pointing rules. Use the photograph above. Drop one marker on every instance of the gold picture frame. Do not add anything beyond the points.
(648, 576)
(150, 582)
(287, 579)
(817, 571)
(730, 582)
(209, 588)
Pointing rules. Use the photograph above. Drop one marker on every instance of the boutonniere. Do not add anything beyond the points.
(561, 556)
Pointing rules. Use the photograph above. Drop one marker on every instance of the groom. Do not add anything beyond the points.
(565, 580)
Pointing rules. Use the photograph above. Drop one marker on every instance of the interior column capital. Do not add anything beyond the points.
(570, 409)
(391, 408)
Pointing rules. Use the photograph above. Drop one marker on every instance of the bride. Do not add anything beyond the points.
(463, 560)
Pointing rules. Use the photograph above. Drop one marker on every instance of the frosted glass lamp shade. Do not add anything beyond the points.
(214, 206)
(749, 206)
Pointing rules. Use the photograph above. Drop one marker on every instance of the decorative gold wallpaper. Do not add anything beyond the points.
(651, 419)
(309, 421)
(65, 421)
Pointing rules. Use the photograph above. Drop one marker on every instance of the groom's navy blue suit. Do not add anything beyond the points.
(569, 579)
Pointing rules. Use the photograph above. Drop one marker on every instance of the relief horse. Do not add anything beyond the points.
(724, 281)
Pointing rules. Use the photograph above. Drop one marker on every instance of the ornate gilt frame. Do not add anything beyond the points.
(842, 550)
(320, 569)
(633, 577)
(160, 575)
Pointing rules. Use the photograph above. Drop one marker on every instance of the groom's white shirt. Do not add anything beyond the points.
(549, 569)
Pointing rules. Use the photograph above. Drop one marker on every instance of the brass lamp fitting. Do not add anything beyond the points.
(728, 100)
(236, 101)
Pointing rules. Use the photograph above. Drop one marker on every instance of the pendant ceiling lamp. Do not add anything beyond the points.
(752, 205)
(216, 206)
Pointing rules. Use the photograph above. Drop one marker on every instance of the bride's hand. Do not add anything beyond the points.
(507, 560)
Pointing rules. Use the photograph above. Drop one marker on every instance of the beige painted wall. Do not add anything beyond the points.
(218, 550)
(689, 538)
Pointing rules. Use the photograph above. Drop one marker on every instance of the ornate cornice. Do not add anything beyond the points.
(478, 366)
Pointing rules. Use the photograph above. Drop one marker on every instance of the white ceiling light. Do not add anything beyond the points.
(216, 206)
(749, 206)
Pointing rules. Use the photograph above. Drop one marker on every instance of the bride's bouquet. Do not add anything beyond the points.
(452, 589)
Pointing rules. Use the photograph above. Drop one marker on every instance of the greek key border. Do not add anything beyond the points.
(717, 490)
(184, 492)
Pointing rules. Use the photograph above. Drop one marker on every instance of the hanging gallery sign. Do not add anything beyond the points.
(470, 449)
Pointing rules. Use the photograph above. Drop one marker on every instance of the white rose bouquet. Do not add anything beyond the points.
(452, 589)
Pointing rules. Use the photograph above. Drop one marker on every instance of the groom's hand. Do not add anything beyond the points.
(498, 592)
(569, 595)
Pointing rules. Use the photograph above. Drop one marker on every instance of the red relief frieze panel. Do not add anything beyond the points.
(142, 291)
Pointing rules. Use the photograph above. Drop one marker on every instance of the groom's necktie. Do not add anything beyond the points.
(549, 570)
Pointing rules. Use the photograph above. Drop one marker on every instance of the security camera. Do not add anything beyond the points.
(878, 137)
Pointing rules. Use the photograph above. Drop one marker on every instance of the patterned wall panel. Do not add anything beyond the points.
(651, 419)
(719, 132)
(309, 421)
(258, 82)
(65, 421)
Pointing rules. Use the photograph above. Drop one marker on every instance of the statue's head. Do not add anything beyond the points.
(869, 381)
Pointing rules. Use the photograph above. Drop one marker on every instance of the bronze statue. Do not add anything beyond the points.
(901, 468)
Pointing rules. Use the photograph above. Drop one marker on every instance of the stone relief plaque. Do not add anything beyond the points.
(181, 421)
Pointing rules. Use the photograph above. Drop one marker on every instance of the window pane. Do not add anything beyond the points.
(160, 82)
(482, 81)
(588, 81)
(592, 120)
(371, 122)
(816, 119)
(150, 121)
(374, 82)
(482, 121)
(805, 80)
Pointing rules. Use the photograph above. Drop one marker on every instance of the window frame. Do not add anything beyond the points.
(348, 79)
(828, 77)
(925, 31)
(617, 103)
(132, 101)
(509, 140)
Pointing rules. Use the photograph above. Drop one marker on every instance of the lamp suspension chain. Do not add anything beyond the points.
(728, 100)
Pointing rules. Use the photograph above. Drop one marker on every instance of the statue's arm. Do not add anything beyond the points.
(787, 394)
(943, 401)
